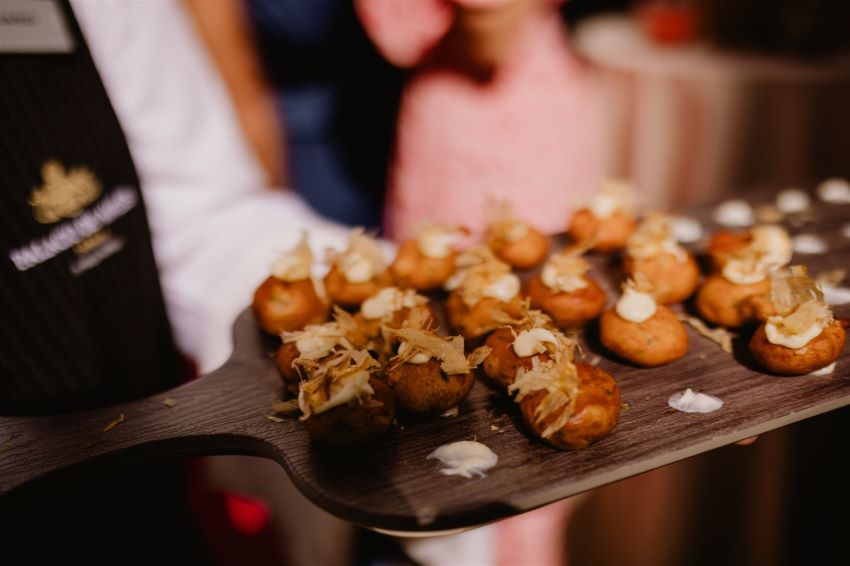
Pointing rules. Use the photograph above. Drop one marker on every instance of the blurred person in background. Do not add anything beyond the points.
(495, 106)
(334, 96)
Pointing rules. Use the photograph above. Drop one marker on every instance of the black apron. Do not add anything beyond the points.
(82, 320)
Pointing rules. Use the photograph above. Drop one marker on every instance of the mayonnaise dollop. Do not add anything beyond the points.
(742, 272)
(418, 358)
(793, 341)
(436, 242)
(790, 201)
(465, 458)
(689, 401)
(835, 191)
(352, 387)
(503, 289)
(389, 300)
(553, 278)
(533, 341)
(734, 213)
(635, 306)
(356, 268)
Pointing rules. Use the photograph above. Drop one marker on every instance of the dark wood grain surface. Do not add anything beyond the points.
(391, 484)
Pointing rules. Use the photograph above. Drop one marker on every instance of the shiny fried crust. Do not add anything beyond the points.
(525, 253)
(355, 423)
(595, 414)
(285, 306)
(414, 269)
(611, 233)
(286, 354)
(673, 281)
(722, 302)
(483, 317)
(820, 352)
(341, 292)
(654, 342)
(724, 244)
(424, 388)
(568, 310)
(503, 363)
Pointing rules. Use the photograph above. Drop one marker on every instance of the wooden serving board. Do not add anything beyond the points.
(391, 485)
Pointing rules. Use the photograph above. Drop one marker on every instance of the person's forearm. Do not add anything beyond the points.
(223, 26)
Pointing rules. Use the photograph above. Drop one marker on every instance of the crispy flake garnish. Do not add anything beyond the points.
(565, 270)
(449, 350)
(362, 249)
(502, 226)
(640, 284)
(296, 264)
(833, 277)
(316, 340)
(114, 423)
(290, 406)
(169, 402)
(558, 377)
(339, 379)
(719, 335)
(798, 301)
(655, 236)
(480, 268)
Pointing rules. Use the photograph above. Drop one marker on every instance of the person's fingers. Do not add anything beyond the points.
(747, 441)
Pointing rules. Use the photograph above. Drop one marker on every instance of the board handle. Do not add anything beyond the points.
(40, 450)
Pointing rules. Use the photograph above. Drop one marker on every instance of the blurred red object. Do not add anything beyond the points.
(669, 23)
(248, 516)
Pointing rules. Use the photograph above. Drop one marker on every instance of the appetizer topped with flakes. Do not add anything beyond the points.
(565, 291)
(608, 220)
(514, 241)
(640, 330)
(390, 307)
(345, 399)
(287, 300)
(739, 292)
(484, 294)
(315, 342)
(357, 273)
(802, 336)
(427, 261)
(654, 252)
(567, 404)
(514, 347)
(431, 373)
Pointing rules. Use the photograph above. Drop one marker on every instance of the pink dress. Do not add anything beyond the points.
(529, 136)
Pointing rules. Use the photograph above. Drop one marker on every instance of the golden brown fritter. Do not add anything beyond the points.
(658, 340)
(282, 306)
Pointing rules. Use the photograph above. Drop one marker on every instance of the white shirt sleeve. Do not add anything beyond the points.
(216, 228)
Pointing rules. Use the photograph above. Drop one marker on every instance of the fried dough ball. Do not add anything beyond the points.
(369, 330)
(425, 388)
(724, 244)
(288, 305)
(728, 304)
(568, 310)
(355, 422)
(427, 261)
(525, 252)
(656, 341)
(594, 415)
(673, 280)
(818, 353)
(342, 292)
(484, 316)
(608, 234)
(503, 362)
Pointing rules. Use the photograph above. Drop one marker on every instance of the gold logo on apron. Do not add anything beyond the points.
(64, 194)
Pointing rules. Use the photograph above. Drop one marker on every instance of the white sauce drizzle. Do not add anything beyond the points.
(635, 306)
(836, 191)
(734, 213)
(689, 401)
(686, 230)
(533, 341)
(793, 341)
(503, 289)
(809, 244)
(465, 458)
(790, 201)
